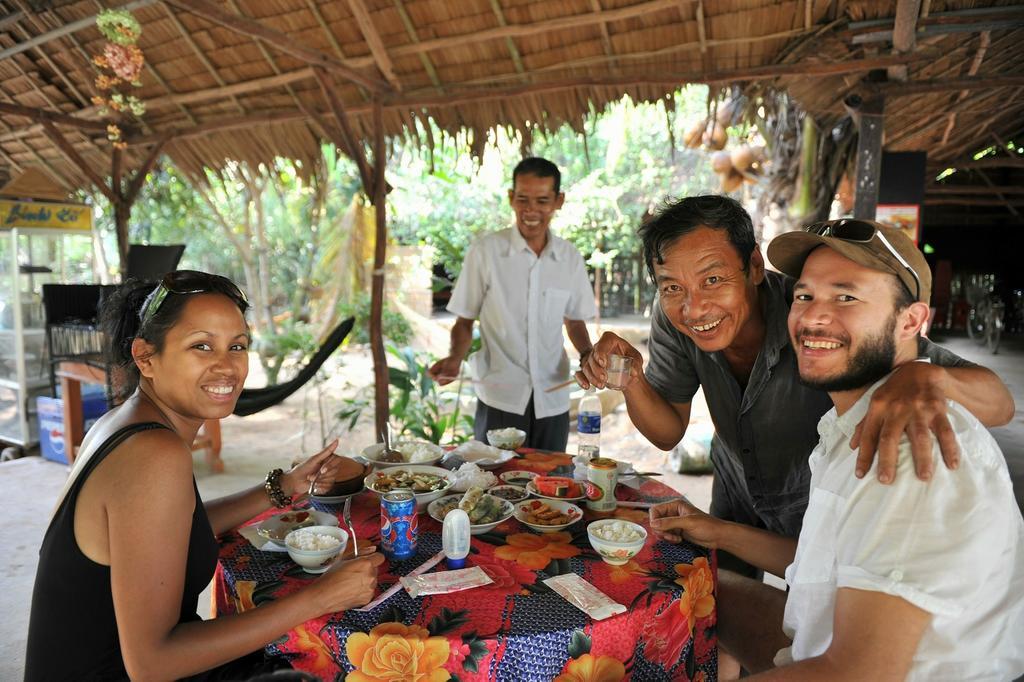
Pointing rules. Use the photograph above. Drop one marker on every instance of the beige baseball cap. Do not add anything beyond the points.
(866, 242)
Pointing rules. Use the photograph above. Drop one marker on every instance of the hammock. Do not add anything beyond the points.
(254, 400)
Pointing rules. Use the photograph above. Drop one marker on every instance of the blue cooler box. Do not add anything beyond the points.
(51, 422)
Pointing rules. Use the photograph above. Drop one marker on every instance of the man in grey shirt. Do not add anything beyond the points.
(720, 323)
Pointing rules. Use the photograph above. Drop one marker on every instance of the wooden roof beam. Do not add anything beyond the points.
(131, 193)
(606, 38)
(348, 140)
(270, 60)
(410, 29)
(66, 29)
(517, 60)
(903, 35)
(41, 115)
(374, 42)
(973, 201)
(315, 11)
(11, 19)
(76, 160)
(914, 88)
(975, 189)
(979, 55)
(284, 43)
(1000, 194)
(200, 55)
(419, 100)
(523, 30)
(667, 80)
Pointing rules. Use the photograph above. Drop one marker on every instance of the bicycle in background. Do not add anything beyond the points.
(985, 318)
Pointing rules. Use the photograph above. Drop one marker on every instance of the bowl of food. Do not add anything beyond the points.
(347, 480)
(506, 439)
(315, 547)
(517, 477)
(427, 483)
(616, 540)
(547, 516)
(277, 527)
(485, 512)
(404, 452)
(512, 493)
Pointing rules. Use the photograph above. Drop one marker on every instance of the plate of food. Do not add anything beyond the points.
(483, 455)
(427, 483)
(559, 488)
(404, 452)
(517, 477)
(512, 493)
(485, 511)
(277, 527)
(547, 516)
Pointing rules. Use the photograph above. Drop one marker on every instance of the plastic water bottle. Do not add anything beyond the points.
(588, 425)
(455, 538)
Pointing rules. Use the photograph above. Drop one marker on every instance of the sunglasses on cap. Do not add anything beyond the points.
(183, 283)
(859, 231)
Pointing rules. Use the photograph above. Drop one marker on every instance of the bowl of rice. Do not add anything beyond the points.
(315, 547)
(616, 540)
(412, 451)
(506, 439)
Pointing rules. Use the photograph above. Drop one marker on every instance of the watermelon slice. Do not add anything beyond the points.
(557, 486)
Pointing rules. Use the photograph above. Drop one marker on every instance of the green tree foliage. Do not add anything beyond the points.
(297, 238)
(629, 160)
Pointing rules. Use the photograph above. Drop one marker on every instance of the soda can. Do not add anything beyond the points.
(604, 474)
(399, 527)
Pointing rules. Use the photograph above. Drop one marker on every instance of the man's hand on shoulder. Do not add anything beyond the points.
(446, 370)
(593, 368)
(912, 401)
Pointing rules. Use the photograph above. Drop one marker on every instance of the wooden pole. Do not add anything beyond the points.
(380, 364)
(903, 35)
(869, 115)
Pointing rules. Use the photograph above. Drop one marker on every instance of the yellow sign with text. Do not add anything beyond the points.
(44, 215)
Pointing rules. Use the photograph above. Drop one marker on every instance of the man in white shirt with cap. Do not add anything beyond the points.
(912, 580)
(523, 284)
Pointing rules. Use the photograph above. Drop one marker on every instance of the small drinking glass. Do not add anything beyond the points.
(618, 371)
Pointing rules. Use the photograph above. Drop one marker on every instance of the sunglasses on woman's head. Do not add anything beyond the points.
(183, 283)
(862, 232)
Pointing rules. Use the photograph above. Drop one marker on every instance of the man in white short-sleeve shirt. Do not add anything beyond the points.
(523, 284)
(913, 580)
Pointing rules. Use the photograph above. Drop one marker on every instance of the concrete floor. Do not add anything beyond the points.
(30, 486)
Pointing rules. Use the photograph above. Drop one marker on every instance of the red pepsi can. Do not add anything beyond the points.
(399, 528)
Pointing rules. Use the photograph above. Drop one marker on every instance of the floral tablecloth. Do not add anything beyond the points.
(515, 629)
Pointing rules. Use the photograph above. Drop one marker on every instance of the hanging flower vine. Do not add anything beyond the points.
(119, 67)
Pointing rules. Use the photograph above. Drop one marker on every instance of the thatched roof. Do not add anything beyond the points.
(236, 79)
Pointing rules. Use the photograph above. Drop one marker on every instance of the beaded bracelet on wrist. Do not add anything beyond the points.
(274, 491)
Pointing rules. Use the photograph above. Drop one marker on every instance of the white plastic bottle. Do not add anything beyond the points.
(588, 424)
(455, 538)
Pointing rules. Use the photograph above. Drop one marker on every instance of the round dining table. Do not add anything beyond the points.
(516, 628)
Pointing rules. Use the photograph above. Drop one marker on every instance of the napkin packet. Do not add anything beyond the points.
(585, 596)
(444, 582)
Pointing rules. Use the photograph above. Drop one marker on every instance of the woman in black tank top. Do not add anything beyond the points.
(131, 544)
